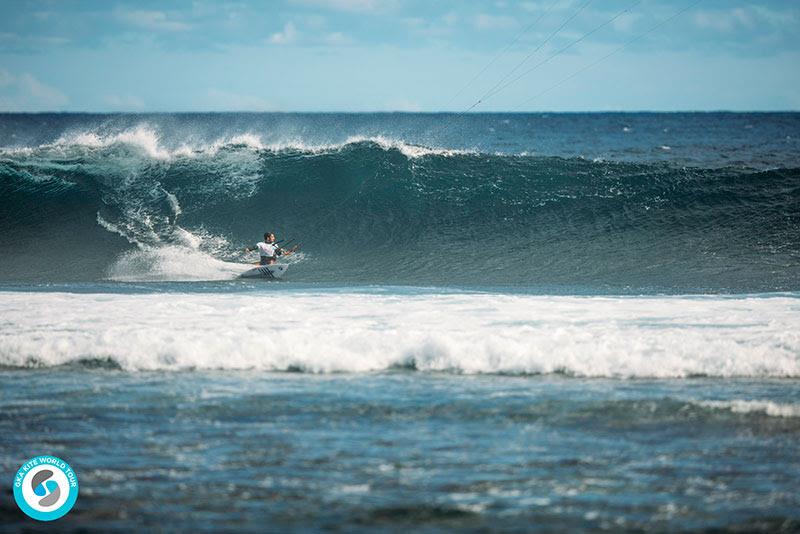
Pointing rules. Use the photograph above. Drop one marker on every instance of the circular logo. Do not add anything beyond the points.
(45, 487)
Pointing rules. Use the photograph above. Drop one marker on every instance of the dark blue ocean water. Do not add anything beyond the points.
(511, 322)
(211, 450)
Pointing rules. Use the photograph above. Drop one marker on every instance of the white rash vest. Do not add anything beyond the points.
(267, 249)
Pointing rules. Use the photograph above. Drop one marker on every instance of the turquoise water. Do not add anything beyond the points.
(497, 322)
(614, 203)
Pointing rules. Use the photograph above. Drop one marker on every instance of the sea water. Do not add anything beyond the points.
(511, 321)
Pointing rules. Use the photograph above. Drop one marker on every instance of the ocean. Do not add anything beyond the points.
(496, 322)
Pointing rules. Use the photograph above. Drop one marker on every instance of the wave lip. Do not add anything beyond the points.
(409, 150)
(147, 140)
(654, 337)
(142, 137)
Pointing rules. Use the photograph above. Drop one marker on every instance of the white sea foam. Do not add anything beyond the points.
(191, 255)
(142, 137)
(114, 229)
(173, 203)
(463, 333)
(409, 150)
(755, 406)
(173, 262)
(246, 140)
(145, 138)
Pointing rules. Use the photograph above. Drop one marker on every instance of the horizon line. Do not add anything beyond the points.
(388, 112)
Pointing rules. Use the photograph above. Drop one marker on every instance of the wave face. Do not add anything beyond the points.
(125, 205)
(330, 332)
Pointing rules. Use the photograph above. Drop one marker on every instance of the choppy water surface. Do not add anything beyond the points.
(264, 451)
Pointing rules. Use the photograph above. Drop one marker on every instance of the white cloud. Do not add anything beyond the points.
(625, 22)
(28, 42)
(152, 20)
(290, 35)
(40, 91)
(287, 36)
(535, 7)
(723, 21)
(785, 18)
(25, 93)
(435, 28)
(484, 21)
(54, 41)
(314, 21)
(414, 22)
(450, 18)
(356, 6)
(337, 39)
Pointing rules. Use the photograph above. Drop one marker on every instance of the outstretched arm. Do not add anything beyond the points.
(285, 252)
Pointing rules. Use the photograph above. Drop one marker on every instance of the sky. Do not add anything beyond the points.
(400, 55)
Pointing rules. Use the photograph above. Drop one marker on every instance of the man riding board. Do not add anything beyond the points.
(269, 251)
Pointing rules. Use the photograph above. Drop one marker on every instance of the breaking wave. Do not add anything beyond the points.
(330, 332)
(128, 206)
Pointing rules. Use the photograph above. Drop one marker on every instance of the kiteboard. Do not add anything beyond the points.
(270, 272)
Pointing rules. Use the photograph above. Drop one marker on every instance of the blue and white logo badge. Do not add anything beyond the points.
(45, 487)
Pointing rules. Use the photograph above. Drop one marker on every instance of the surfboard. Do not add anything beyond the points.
(270, 272)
